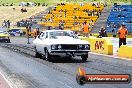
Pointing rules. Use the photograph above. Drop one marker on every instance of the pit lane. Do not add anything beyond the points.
(18, 64)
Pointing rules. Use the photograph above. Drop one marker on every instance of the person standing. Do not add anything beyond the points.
(8, 23)
(21, 32)
(122, 32)
(35, 33)
(61, 25)
(86, 29)
(5, 24)
(114, 31)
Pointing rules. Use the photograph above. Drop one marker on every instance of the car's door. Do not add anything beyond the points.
(45, 42)
(40, 42)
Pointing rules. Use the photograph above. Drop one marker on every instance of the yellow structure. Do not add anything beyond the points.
(125, 51)
(100, 45)
(71, 14)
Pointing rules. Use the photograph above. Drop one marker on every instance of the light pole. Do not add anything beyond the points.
(28, 28)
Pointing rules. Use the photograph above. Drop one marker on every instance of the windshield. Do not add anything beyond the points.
(1, 32)
(62, 33)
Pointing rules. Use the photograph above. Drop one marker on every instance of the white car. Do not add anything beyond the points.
(60, 43)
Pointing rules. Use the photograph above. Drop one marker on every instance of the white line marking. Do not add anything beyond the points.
(6, 80)
(113, 56)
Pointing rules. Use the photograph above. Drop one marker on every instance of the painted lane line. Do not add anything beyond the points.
(6, 80)
(112, 56)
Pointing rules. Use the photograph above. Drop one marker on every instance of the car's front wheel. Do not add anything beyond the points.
(84, 57)
(37, 55)
(47, 55)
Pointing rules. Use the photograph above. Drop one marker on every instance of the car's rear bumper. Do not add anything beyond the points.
(69, 52)
(4, 40)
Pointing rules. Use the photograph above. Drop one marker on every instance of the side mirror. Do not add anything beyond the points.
(46, 37)
(38, 36)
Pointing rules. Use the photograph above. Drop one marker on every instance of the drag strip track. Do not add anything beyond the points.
(23, 79)
(73, 62)
(30, 51)
(64, 70)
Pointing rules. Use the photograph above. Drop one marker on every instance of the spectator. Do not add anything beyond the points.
(7, 4)
(122, 32)
(11, 4)
(91, 23)
(99, 12)
(35, 33)
(43, 4)
(5, 24)
(114, 31)
(38, 31)
(51, 19)
(102, 32)
(8, 23)
(93, 12)
(18, 24)
(82, 4)
(21, 32)
(28, 4)
(85, 29)
(3, 4)
(35, 4)
(38, 4)
(49, 28)
(23, 10)
(61, 25)
(89, 13)
(93, 4)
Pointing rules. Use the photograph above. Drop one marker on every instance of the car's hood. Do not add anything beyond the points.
(65, 40)
(4, 35)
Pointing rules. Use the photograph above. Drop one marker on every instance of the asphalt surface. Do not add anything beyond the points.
(26, 71)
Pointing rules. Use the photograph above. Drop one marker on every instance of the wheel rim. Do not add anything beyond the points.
(46, 55)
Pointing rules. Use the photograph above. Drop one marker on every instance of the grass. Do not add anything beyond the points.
(16, 2)
(7, 13)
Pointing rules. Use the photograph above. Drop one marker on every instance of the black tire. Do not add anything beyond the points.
(46, 55)
(37, 55)
(9, 41)
(84, 58)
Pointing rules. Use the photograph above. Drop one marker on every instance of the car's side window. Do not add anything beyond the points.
(46, 35)
(42, 35)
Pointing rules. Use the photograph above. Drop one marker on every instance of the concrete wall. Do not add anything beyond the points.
(100, 45)
(125, 51)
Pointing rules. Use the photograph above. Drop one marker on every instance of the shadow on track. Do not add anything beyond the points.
(67, 60)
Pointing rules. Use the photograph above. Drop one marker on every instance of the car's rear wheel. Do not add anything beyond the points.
(37, 55)
(47, 55)
(8, 41)
(84, 57)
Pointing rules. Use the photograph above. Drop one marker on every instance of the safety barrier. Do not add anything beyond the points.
(125, 51)
(100, 45)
